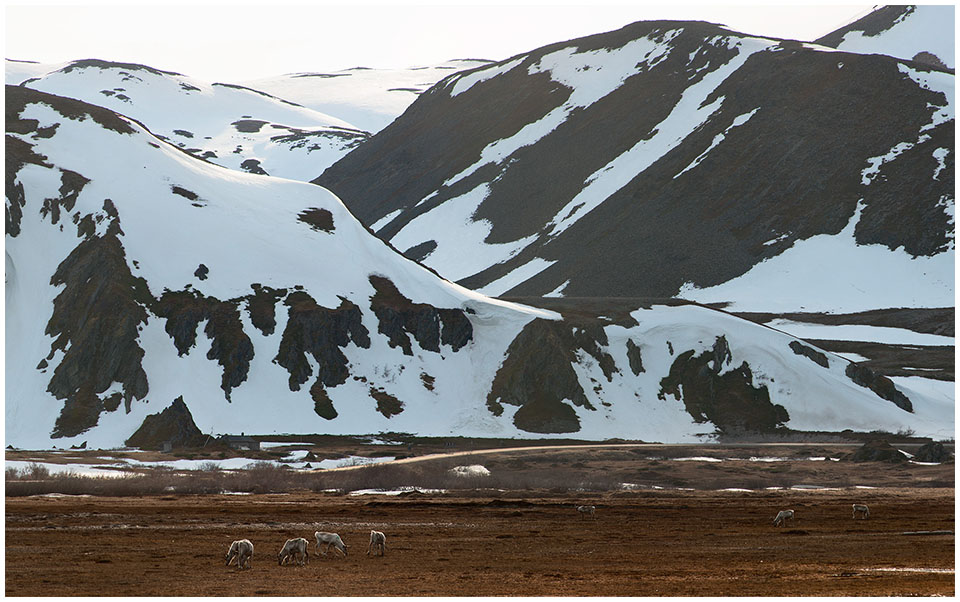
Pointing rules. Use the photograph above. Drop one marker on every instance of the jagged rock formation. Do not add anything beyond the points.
(173, 426)
(321, 333)
(431, 327)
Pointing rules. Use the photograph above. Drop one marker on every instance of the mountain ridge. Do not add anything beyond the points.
(517, 205)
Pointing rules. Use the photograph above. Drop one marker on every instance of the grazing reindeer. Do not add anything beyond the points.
(331, 539)
(378, 543)
(782, 517)
(242, 550)
(862, 510)
(294, 550)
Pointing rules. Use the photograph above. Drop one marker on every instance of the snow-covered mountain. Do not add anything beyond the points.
(137, 275)
(225, 124)
(924, 34)
(368, 98)
(675, 158)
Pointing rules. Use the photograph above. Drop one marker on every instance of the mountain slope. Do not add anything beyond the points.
(671, 157)
(138, 277)
(921, 33)
(225, 124)
(368, 98)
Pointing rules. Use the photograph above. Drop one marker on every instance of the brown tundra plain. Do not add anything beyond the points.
(705, 530)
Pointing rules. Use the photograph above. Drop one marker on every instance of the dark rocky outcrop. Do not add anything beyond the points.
(71, 184)
(262, 307)
(879, 384)
(253, 166)
(387, 404)
(400, 317)
(18, 154)
(17, 97)
(730, 400)
(320, 220)
(95, 322)
(634, 357)
(878, 450)
(810, 353)
(933, 452)
(174, 425)
(320, 332)
(322, 404)
(537, 375)
(230, 345)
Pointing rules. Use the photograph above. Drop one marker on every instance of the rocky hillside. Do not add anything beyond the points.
(675, 158)
(140, 278)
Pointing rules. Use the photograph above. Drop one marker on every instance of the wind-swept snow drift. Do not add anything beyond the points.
(137, 275)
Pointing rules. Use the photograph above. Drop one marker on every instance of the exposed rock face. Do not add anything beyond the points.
(729, 400)
(95, 321)
(878, 450)
(387, 404)
(879, 384)
(262, 307)
(322, 404)
(321, 332)
(538, 376)
(72, 184)
(318, 219)
(809, 352)
(230, 345)
(634, 357)
(174, 425)
(430, 326)
(933, 452)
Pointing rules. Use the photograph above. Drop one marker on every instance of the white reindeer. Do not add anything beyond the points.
(242, 550)
(782, 517)
(378, 543)
(862, 510)
(331, 539)
(295, 550)
(587, 510)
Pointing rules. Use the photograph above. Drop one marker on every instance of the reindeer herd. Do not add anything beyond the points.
(295, 550)
(784, 515)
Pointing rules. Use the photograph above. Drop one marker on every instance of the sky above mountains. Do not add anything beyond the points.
(233, 42)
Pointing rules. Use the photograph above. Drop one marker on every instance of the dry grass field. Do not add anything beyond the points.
(511, 542)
